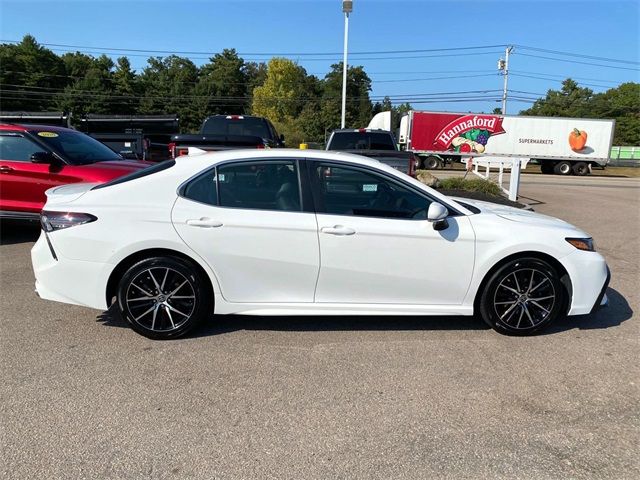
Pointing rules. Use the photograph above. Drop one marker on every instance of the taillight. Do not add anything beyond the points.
(172, 152)
(260, 146)
(362, 130)
(182, 151)
(52, 221)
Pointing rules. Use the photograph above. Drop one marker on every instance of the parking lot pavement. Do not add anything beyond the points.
(247, 397)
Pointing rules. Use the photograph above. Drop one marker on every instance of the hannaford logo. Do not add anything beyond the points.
(469, 133)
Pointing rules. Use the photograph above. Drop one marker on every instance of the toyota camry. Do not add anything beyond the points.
(293, 232)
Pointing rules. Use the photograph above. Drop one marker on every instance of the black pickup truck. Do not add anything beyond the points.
(376, 144)
(224, 132)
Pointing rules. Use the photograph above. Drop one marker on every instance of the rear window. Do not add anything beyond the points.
(236, 126)
(158, 167)
(362, 141)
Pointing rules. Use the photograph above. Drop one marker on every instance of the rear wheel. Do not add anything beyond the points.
(562, 168)
(581, 168)
(163, 297)
(522, 297)
(432, 162)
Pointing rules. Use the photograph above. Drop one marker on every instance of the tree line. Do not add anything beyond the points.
(302, 106)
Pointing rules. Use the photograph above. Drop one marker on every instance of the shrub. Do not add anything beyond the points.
(471, 185)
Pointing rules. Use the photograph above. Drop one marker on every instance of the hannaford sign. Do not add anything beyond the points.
(463, 124)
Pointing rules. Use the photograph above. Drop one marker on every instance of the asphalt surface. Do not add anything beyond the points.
(82, 396)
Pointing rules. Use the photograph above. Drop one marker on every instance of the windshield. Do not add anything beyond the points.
(77, 148)
(236, 126)
(361, 141)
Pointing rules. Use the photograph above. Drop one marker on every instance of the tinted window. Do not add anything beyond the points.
(77, 148)
(236, 126)
(17, 148)
(158, 167)
(362, 141)
(351, 191)
(203, 188)
(261, 185)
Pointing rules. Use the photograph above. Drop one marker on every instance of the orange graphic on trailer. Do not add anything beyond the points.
(577, 140)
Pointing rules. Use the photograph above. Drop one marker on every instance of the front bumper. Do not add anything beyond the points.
(602, 300)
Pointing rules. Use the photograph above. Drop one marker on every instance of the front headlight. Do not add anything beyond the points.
(585, 244)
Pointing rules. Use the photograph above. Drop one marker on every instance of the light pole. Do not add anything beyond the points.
(347, 8)
(504, 66)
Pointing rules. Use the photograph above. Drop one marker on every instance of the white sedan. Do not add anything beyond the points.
(290, 232)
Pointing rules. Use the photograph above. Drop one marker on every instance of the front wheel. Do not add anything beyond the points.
(522, 297)
(163, 297)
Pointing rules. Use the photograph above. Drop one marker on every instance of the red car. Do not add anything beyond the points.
(34, 158)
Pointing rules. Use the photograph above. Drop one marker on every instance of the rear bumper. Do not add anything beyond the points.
(69, 281)
(602, 300)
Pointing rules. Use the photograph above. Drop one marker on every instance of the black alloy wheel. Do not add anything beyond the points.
(163, 297)
(522, 297)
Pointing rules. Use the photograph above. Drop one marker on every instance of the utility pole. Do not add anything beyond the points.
(503, 65)
(347, 8)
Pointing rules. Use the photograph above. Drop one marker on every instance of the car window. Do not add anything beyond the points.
(77, 148)
(353, 191)
(260, 185)
(203, 189)
(236, 125)
(17, 148)
(362, 141)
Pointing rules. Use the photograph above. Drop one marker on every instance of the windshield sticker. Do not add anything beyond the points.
(373, 187)
(47, 134)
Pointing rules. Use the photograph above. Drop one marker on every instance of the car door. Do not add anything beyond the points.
(376, 246)
(23, 183)
(247, 220)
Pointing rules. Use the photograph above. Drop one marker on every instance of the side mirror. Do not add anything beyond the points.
(43, 157)
(437, 214)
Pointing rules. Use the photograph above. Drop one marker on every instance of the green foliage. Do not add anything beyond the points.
(621, 104)
(471, 185)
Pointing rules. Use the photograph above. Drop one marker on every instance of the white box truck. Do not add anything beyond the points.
(562, 146)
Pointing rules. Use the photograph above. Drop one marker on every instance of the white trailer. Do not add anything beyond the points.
(561, 145)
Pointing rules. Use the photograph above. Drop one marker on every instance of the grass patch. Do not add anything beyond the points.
(470, 185)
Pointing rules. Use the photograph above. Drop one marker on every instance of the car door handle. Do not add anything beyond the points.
(204, 223)
(5, 169)
(338, 230)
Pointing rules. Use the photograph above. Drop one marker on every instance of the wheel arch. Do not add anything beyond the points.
(127, 262)
(565, 279)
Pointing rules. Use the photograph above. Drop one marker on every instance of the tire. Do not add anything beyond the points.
(546, 168)
(562, 168)
(580, 168)
(432, 162)
(163, 297)
(522, 314)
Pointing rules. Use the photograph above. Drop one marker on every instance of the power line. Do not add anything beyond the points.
(559, 81)
(577, 61)
(298, 54)
(613, 82)
(580, 55)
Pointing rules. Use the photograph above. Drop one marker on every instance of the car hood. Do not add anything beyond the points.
(515, 214)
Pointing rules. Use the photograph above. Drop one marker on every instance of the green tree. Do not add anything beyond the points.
(169, 84)
(92, 92)
(358, 109)
(125, 88)
(222, 85)
(30, 76)
(570, 101)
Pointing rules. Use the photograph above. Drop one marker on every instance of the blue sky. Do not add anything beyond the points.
(595, 28)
